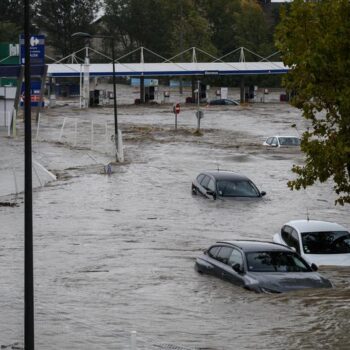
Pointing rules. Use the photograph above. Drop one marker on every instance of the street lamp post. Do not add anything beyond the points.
(28, 192)
(89, 36)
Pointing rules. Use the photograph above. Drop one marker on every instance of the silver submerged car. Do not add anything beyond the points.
(263, 267)
(225, 184)
(282, 141)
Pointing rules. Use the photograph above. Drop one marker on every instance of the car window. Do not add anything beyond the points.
(274, 141)
(269, 140)
(224, 254)
(235, 258)
(200, 178)
(330, 242)
(275, 261)
(211, 185)
(205, 181)
(237, 188)
(213, 251)
(289, 141)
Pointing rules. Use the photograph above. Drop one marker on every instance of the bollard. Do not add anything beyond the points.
(133, 340)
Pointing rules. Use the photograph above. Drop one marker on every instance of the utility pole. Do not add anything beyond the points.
(28, 201)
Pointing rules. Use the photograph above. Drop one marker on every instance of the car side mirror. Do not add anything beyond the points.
(314, 267)
(212, 193)
(237, 268)
(262, 193)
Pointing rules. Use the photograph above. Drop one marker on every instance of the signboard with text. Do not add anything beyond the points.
(35, 90)
(36, 49)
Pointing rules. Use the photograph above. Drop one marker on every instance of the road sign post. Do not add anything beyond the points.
(176, 110)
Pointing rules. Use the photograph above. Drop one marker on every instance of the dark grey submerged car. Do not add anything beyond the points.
(225, 184)
(263, 267)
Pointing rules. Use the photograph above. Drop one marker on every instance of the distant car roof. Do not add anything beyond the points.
(315, 226)
(287, 136)
(225, 175)
(257, 246)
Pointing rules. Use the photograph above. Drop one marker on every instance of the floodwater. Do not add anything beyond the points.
(115, 254)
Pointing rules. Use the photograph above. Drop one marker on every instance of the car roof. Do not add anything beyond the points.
(286, 136)
(224, 175)
(315, 225)
(256, 246)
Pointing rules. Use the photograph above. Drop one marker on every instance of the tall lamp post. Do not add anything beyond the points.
(89, 36)
(28, 191)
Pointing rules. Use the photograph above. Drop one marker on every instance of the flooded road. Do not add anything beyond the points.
(114, 254)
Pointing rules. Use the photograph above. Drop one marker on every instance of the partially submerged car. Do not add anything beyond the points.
(263, 267)
(318, 242)
(282, 141)
(223, 101)
(223, 184)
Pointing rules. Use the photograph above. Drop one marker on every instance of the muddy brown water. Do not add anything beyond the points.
(116, 253)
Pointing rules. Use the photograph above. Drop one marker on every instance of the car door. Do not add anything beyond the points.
(234, 259)
(222, 269)
(203, 185)
(274, 142)
(207, 184)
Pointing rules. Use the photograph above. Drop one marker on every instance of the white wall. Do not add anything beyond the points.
(7, 99)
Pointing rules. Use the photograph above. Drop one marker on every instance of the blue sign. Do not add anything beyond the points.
(36, 49)
(35, 89)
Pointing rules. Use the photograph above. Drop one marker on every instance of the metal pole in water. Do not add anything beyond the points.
(133, 340)
(61, 133)
(28, 194)
(75, 132)
(37, 127)
(92, 134)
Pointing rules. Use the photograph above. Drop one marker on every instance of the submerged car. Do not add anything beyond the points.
(225, 184)
(282, 141)
(318, 242)
(263, 267)
(223, 101)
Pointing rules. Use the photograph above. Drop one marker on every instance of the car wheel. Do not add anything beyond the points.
(194, 190)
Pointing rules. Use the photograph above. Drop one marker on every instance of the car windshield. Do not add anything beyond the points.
(276, 261)
(289, 141)
(330, 242)
(237, 188)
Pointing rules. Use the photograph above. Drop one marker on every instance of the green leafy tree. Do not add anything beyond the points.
(221, 15)
(162, 26)
(252, 29)
(11, 11)
(314, 38)
(9, 32)
(59, 19)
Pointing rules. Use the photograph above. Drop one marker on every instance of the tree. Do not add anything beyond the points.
(59, 19)
(162, 26)
(9, 32)
(314, 39)
(11, 11)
